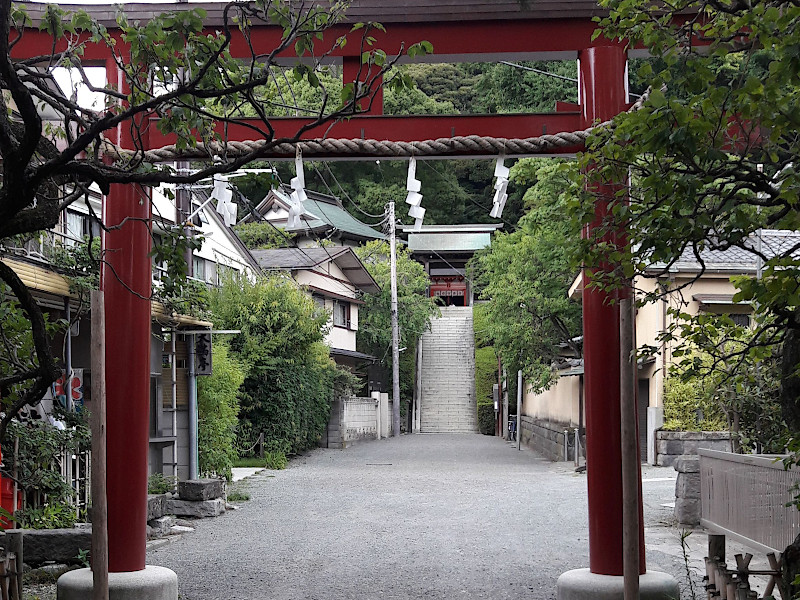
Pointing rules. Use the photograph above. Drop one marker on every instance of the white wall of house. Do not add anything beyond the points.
(329, 277)
(218, 252)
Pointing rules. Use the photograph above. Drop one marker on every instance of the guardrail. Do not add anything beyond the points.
(744, 497)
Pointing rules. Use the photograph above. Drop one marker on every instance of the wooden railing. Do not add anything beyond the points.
(744, 497)
(747, 498)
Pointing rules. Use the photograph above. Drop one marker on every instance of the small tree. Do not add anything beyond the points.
(218, 413)
(525, 276)
(414, 309)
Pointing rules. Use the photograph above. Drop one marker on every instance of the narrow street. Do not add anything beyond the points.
(422, 516)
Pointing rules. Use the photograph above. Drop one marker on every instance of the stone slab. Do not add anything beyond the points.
(201, 489)
(151, 583)
(155, 506)
(201, 509)
(582, 584)
(160, 527)
(687, 511)
(687, 485)
(59, 545)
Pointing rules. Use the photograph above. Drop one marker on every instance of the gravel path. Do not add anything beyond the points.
(422, 516)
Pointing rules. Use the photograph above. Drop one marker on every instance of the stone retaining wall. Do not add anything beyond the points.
(670, 445)
(545, 437)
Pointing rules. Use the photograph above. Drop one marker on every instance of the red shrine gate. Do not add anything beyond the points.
(488, 30)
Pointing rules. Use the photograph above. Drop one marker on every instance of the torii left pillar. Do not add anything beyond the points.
(603, 95)
(126, 282)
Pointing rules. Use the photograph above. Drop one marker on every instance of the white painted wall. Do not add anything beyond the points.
(331, 278)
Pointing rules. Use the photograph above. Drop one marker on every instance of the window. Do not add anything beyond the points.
(319, 300)
(341, 314)
(741, 320)
(199, 268)
(77, 226)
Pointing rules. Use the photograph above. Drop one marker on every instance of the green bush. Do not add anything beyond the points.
(158, 483)
(486, 418)
(51, 515)
(275, 460)
(289, 375)
(688, 406)
(218, 413)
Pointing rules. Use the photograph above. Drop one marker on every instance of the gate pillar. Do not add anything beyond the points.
(602, 95)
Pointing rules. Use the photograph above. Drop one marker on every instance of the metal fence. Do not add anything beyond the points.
(745, 497)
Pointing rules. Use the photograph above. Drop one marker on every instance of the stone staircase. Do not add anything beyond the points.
(447, 402)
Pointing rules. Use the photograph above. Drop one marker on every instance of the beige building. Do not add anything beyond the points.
(691, 285)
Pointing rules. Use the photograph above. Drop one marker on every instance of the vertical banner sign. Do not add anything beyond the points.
(202, 350)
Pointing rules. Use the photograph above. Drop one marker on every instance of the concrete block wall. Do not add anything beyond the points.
(671, 445)
(546, 438)
(359, 419)
(354, 419)
(447, 395)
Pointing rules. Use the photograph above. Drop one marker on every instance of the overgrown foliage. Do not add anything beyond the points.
(289, 376)
(218, 413)
(525, 276)
(48, 498)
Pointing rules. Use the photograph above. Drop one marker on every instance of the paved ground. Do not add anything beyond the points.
(423, 516)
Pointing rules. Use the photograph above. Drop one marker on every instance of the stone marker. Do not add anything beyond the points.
(200, 489)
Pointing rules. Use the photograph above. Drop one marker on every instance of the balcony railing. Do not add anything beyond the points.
(45, 247)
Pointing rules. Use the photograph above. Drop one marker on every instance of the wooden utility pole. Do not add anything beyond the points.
(98, 427)
(520, 382)
(630, 450)
(395, 326)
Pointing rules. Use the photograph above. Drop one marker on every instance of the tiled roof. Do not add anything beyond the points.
(398, 11)
(294, 259)
(323, 213)
(774, 242)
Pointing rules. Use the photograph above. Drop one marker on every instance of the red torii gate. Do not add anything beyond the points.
(481, 31)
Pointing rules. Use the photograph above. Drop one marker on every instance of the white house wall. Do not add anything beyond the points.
(217, 246)
(329, 278)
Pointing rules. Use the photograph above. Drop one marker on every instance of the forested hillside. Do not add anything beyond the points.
(457, 191)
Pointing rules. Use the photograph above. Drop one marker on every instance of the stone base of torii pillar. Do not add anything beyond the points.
(582, 584)
(151, 583)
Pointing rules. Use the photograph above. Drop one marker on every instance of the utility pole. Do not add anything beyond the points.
(395, 327)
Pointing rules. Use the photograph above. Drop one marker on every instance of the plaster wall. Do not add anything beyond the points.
(560, 403)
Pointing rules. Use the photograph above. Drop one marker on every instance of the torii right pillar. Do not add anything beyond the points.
(603, 95)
